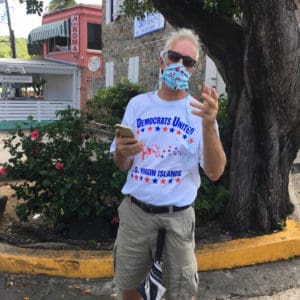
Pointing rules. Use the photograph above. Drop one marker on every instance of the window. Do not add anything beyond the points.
(94, 36)
(112, 10)
(133, 69)
(58, 44)
(59, 39)
(109, 73)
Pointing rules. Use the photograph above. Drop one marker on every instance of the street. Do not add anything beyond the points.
(277, 281)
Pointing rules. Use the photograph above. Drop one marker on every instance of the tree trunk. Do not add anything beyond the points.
(265, 134)
(260, 64)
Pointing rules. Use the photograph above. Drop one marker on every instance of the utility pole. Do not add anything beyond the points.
(11, 33)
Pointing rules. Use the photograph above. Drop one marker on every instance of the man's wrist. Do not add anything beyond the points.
(209, 126)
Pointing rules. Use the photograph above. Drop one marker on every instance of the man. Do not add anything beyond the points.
(173, 134)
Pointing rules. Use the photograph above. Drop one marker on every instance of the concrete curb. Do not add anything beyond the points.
(250, 251)
(99, 264)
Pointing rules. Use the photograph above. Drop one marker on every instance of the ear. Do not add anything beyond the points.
(161, 64)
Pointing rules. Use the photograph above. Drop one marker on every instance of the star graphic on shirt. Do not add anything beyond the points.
(150, 128)
(172, 129)
(184, 136)
(141, 178)
(165, 129)
(178, 132)
(136, 177)
(147, 179)
(170, 180)
(191, 140)
(177, 179)
(157, 128)
(163, 181)
(143, 129)
(154, 180)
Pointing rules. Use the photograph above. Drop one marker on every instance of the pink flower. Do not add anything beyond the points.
(59, 165)
(35, 134)
(115, 220)
(3, 171)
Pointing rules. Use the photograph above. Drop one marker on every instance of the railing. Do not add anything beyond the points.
(40, 110)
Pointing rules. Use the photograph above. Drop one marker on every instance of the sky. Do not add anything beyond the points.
(22, 23)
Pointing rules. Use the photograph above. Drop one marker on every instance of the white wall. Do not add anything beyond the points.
(58, 87)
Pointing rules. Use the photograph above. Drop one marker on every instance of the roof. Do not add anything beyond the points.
(16, 65)
(93, 6)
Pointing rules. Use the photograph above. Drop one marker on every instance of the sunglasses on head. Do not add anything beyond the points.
(187, 61)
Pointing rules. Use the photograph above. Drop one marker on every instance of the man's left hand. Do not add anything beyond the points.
(208, 109)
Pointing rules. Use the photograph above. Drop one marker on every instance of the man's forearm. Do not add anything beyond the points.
(214, 156)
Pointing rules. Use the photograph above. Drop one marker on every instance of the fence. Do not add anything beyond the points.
(40, 110)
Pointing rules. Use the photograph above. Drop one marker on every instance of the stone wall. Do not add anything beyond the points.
(119, 45)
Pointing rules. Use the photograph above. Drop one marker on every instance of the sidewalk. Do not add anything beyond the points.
(270, 266)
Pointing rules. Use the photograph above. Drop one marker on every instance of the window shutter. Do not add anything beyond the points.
(119, 7)
(210, 72)
(213, 77)
(133, 69)
(107, 12)
(117, 11)
(109, 73)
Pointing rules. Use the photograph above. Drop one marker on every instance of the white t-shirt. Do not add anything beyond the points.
(166, 172)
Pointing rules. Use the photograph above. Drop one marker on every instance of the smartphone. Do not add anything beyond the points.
(125, 131)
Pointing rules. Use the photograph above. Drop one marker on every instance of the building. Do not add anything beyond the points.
(73, 35)
(37, 88)
(70, 71)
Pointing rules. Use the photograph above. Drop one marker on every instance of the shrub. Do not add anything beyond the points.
(68, 174)
(110, 103)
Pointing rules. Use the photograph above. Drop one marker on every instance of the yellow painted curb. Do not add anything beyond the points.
(99, 264)
(250, 251)
(66, 263)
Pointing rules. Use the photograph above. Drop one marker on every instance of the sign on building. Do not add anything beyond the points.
(75, 33)
(150, 23)
(15, 78)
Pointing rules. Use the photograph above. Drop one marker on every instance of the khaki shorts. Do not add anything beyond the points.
(135, 246)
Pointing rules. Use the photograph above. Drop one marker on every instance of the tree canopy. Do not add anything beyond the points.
(21, 47)
(37, 6)
(256, 48)
(55, 5)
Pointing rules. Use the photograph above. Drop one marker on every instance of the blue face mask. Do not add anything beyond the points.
(176, 77)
